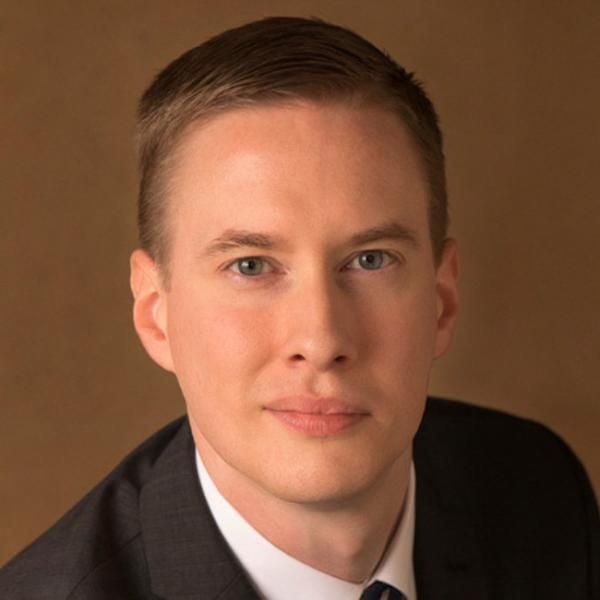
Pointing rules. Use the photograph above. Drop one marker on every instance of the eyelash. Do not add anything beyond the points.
(389, 255)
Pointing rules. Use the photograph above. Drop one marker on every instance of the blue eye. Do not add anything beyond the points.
(250, 266)
(371, 260)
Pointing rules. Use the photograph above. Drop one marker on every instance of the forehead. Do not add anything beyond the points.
(351, 119)
(322, 162)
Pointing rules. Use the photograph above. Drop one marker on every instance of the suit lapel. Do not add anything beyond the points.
(447, 558)
(187, 556)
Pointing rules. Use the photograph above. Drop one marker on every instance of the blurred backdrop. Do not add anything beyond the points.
(517, 87)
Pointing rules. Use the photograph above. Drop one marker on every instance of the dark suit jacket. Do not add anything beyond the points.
(504, 510)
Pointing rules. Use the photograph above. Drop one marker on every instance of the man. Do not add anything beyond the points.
(296, 277)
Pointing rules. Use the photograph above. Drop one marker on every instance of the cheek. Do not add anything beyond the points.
(216, 347)
(404, 343)
(406, 321)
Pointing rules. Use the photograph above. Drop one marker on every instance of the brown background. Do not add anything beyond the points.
(517, 85)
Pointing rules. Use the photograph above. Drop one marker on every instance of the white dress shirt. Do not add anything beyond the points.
(278, 576)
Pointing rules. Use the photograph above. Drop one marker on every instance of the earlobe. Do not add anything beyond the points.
(149, 308)
(447, 296)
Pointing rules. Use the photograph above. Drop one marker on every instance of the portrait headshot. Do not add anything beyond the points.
(301, 301)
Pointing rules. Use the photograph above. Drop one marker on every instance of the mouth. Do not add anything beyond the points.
(316, 417)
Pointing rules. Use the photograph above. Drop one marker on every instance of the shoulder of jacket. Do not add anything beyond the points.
(101, 531)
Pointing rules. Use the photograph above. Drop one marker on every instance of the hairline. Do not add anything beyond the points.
(171, 149)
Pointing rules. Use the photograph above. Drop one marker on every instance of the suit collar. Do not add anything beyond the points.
(188, 557)
(448, 560)
(186, 554)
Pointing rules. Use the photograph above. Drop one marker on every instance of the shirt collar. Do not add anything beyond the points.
(279, 576)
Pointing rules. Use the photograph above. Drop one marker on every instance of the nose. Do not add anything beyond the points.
(321, 325)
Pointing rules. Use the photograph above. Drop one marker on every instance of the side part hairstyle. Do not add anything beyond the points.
(276, 60)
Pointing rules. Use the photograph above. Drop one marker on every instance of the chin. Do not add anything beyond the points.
(324, 484)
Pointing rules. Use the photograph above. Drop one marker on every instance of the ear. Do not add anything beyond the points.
(150, 308)
(447, 296)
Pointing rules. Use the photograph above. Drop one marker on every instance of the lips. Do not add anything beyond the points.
(316, 416)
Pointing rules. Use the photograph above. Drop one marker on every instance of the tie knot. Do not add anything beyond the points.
(376, 590)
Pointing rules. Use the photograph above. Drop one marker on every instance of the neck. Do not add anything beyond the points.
(345, 538)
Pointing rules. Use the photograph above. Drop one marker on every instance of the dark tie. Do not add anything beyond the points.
(376, 589)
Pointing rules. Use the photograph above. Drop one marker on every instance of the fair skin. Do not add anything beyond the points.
(265, 340)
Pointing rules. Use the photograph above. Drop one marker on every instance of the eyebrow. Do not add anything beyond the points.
(236, 238)
(387, 231)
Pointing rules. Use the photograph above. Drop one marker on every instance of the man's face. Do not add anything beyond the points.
(303, 352)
